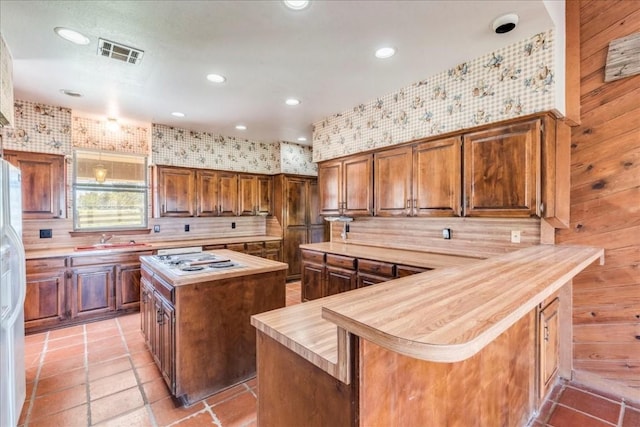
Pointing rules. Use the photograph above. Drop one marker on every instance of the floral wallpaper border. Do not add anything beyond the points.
(509, 82)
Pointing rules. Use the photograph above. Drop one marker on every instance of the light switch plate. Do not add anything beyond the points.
(515, 236)
(446, 233)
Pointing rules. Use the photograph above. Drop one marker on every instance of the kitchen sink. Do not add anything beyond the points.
(105, 246)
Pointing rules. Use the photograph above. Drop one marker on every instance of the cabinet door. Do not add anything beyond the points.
(128, 287)
(549, 355)
(147, 313)
(393, 182)
(437, 172)
(92, 291)
(312, 281)
(247, 194)
(228, 194)
(293, 238)
(43, 186)
(313, 194)
(176, 191)
(330, 190)
(264, 198)
(502, 171)
(357, 185)
(207, 187)
(44, 303)
(296, 198)
(339, 280)
(165, 322)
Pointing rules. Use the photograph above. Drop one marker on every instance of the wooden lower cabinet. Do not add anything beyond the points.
(63, 291)
(93, 290)
(270, 249)
(339, 280)
(548, 347)
(329, 274)
(390, 389)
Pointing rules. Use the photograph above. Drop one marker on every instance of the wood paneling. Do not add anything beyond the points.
(605, 201)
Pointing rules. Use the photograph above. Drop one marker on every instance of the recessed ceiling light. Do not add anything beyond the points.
(71, 93)
(241, 127)
(216, 78)
(302, 139)
(296, 4)
(71, 35)
(292, 101)
(385, 52)
(177, 114)
(505, 23)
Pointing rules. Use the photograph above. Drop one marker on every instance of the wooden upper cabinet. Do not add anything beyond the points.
(358, 185)
(296, 194)
(314, 205)
(437, 175)
(330, 191)
(502, 171)
(43, 183)
(346, 186)
(254, 194)
(176, 191)
(264, 198)
(247, 193)
(207, 185)
(228, 195)
(393, 194)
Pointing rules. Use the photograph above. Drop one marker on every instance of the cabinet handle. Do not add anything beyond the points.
(220, 209)
(415, 204)
(159, 317)
(546, 333)
(162, 209)
(541, 208)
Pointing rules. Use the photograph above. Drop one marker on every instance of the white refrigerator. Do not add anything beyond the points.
(12, 294)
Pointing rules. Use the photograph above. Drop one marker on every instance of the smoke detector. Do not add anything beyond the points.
(119, 51)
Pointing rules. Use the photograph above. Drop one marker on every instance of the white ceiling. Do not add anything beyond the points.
(322, 55)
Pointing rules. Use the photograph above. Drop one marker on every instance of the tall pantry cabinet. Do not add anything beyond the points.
(296, 205)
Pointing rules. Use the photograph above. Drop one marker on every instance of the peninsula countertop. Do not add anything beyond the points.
(445, 315)
(396, 256)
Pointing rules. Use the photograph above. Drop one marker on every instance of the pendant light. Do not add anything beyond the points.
(100, 172)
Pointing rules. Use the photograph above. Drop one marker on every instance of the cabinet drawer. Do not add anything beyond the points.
(163, 288)
(341, 261)
(238, 247)
(406, 270)
(33, 265)
(255, 247)
(376, 267)
(272, 245)
(213, 247)
(311, 256)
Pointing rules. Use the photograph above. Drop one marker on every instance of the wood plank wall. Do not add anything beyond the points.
(477, 237)
(605, 201)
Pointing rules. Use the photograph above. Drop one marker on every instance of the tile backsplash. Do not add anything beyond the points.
(509, 82)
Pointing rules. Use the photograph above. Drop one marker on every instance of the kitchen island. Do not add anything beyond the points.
(455, 346)
(195, 316)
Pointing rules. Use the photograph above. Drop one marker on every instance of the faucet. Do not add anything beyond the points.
(104, 238)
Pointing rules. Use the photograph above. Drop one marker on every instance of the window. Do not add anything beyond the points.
(109, 191)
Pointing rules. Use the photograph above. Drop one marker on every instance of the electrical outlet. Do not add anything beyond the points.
(446, 233)
(515, 236)
(233, 225)
(156, 228)
(46, 233)
(186, 227)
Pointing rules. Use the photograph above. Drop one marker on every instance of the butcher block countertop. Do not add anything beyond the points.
(71, 251)
(249, 265)
(444, 315)
(396, 256)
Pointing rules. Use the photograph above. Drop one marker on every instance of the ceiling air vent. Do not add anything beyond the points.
(119, 51)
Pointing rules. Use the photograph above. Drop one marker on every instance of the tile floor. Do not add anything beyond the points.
(101, 374)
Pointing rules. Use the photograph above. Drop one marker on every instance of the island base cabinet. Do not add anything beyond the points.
(495, 387)
(294, 392)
